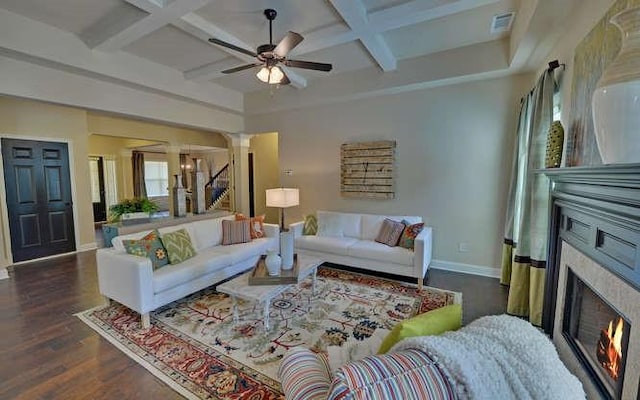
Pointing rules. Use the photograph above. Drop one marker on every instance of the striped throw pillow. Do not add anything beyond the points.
(409, 374)
(390, 232)
(304, 375)
(234, 232)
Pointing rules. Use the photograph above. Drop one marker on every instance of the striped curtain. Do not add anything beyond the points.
(524, 251)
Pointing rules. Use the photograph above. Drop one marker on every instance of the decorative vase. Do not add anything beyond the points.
(179, 198)
(273, 262)
(198, 205)
(616, 100)
(555, 140)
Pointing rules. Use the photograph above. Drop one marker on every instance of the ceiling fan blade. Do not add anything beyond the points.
(285, 80)
(308, 65)
(232, 47)
(287, 43)
(240, 68)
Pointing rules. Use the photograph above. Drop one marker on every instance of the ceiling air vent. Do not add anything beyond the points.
(502, 22)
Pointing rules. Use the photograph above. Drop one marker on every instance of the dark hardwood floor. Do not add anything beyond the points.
(48, 353)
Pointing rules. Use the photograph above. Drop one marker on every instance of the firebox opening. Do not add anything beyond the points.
(598, 335)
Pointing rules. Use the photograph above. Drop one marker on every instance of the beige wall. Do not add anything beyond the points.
(40, 121)
(453, 155)
(265, 172)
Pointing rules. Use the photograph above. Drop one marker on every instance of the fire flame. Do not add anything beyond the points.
(610, 348)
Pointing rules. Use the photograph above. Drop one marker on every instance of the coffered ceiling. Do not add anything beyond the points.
(161, 45)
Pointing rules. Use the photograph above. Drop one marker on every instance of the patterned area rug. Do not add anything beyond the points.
(194, 346)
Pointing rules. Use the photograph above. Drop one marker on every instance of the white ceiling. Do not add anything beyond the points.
(162, 45)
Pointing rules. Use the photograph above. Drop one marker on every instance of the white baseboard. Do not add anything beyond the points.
(480, 270)
(4, 273)
(87, 247)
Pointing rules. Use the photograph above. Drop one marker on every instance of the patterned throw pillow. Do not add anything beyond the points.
(310, 225)
(148, 246)
(178, 245)
(256, 225)
(390, 232)
(408, 238)
(234, 232)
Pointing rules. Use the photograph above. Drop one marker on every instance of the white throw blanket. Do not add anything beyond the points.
(499, 357)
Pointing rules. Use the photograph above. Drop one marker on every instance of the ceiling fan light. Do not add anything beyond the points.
(270, 75)
(263, 74)
(276, 75)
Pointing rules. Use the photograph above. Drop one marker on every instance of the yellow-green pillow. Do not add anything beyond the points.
(434, 322)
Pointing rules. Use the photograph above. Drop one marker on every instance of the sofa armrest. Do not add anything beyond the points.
(271, 230)
(296, 228)
(126, 278)
(304, 375)
(422, 248)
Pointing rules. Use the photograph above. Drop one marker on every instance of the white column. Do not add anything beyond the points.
(239, 161)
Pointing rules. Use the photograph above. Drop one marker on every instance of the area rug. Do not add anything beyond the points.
(194, 346)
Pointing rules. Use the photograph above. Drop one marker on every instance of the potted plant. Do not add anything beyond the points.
(138, 209)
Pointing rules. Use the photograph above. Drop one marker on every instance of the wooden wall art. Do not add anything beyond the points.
(367, 169)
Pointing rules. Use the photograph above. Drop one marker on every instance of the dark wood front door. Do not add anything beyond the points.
(38, 188)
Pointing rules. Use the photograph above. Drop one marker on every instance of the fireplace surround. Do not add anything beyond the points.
(593, 276)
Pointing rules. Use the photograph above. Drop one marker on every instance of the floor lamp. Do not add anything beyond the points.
(284, 198)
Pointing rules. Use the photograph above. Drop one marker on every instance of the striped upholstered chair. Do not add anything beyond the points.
(406, 375)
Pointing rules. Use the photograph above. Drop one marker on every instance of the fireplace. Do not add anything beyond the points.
(592, 295)
(597, 333)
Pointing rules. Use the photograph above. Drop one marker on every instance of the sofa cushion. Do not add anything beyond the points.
(178, 245)
(310, 226)
(148, 246)
(329, 224)
(337, 224)
(234, 232)
(256, 225)
(207, 233)
(334, 245)
(409, 234)
(390, 232)
(409, 374)
(206, 262)
(380, 252)
(241, 251)
(435, 322)
(371, 224)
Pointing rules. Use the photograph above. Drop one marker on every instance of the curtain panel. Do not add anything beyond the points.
(139, 187)
(525, 235)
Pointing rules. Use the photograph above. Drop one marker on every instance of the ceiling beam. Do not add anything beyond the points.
(354, 14)
(406, 14)
(103, 38)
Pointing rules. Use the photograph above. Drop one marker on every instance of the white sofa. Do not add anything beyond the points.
(131, 280)
(349, 239)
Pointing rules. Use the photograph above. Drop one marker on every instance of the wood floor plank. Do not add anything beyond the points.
(48, 353)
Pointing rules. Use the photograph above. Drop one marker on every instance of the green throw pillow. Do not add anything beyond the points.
(149, 246)
(178, 245)
(310, 225)
(435, 322)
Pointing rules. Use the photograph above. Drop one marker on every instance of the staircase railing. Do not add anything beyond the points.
(218, 186)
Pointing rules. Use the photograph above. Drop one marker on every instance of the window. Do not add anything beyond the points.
(156, 178)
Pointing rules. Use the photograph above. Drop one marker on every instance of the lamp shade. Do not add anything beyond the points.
(283, 197)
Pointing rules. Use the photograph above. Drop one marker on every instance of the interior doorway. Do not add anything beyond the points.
(39, 202)
(98, 198)
(252, 194)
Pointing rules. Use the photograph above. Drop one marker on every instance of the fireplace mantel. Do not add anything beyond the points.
(596, 209)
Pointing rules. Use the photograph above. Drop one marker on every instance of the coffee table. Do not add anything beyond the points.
(263, 294)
